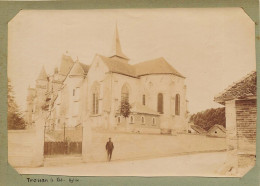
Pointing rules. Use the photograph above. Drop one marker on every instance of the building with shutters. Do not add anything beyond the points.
(77, 93)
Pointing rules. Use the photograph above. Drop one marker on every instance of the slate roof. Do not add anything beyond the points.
(239, 90)
(66, 65)
(139, 108)
(198, 129)
(84, 67)
(118, 66)
(155, 66)
(79, 69)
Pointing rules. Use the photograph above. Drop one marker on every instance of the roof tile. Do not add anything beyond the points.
(239, 90)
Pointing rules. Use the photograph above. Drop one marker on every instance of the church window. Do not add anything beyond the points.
(143, 99)
(125, 93)
(95, 98)
(177, 104)
(118, 119)
(95, 103)
(160, 103)
(76, 93)
(153, 121)
(143, 120)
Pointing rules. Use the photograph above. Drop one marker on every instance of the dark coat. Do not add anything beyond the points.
(109, 146)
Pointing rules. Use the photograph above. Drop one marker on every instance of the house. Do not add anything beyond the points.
(217, 131)
(241, 113)
(76, 93)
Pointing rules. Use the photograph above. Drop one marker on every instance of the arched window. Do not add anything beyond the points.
(118, 119)
(160, 103)
(95, 103)
(143, 99)
(125, 93)
(95, 98)
(177, 104)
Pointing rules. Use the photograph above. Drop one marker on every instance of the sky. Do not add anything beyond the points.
(211, 47)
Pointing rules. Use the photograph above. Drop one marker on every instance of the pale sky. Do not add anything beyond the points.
(212, 48)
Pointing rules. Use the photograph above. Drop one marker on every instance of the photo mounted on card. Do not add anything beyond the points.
(132, 92)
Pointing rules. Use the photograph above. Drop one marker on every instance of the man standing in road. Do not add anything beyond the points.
(109, 148)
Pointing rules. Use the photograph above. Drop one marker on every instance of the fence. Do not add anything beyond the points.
(62, 147)
(63, 141)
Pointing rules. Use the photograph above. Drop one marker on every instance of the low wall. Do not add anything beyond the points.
(136, 146)
(25, 148)
(20, 151)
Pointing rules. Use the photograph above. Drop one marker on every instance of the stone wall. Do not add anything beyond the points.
(129, 146)
(246, 126)
(240, 134)
(25, 148)
(246, 113)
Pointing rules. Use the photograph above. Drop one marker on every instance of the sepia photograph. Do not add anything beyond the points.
(132, 92)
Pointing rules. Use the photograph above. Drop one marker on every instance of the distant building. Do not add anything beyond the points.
(241, 112)
(76, 93)
(195, 129)
(217, 131)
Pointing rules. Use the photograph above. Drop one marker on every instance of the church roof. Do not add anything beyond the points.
(79, 69)
(139, 108)
(42, 75)
(155, 66)
(66, 65)
(84, 67)
(118, 66)
(242, 89)
(116, 48)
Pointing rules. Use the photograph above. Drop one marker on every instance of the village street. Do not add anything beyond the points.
(200, 164)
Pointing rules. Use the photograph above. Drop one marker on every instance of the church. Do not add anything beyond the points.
(76, 94)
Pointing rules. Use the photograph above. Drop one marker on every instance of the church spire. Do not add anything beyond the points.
(42, 75)
(116, 48)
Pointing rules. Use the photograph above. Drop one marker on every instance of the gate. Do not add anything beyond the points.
(62, 147)
(65, 141)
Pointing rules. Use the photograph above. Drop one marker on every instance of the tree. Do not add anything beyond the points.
(125, 108)
(208, 118)
(15, 119)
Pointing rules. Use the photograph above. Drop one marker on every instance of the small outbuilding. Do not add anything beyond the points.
(241, 113)
(217, 131)
(195, 129)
